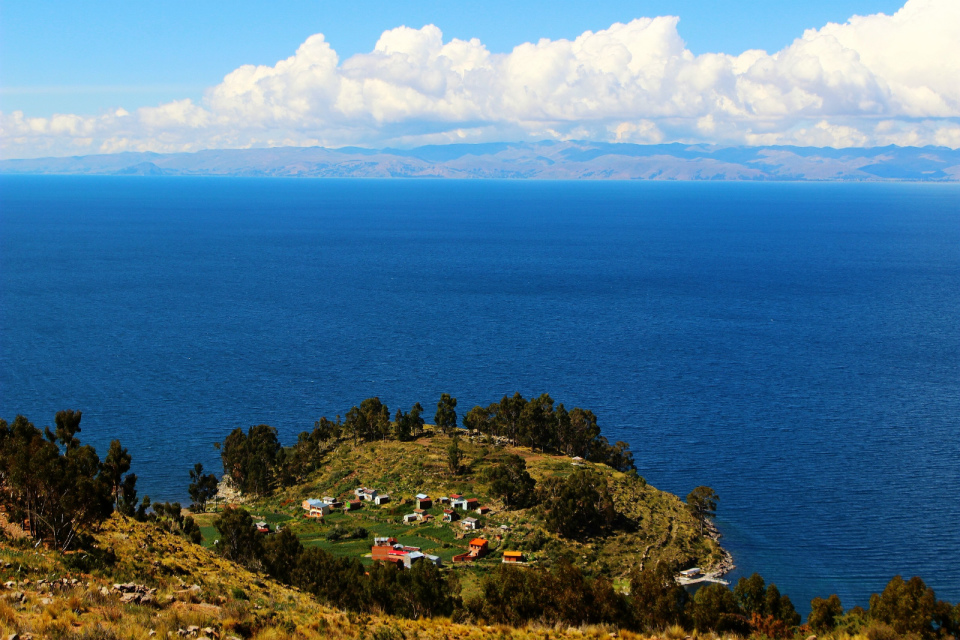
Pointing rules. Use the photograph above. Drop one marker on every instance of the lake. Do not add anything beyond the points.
(794, 346)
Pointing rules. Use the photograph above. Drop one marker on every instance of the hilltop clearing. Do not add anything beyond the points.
(646, 526)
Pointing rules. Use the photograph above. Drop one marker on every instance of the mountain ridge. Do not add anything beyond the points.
(571, 160)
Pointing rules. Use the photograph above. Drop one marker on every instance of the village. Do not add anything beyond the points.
(461, 512)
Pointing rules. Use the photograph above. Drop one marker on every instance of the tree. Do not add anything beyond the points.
(715, 609)
(281, 553)
(251, 459)
(578, 505)
(68, 425)
(507, 415)
(702, 504)
(115, 465)
(454, 456)
(909, 606)
(825, 614)
(510, 481)
(369, 421)
(477, 420)
(658, 600)
(60, 493)
(202, 487)
(239, 541)
(446, 416)
(409, 424)
(536, 422)
(416, 419)
(750, 594)
(401, 426)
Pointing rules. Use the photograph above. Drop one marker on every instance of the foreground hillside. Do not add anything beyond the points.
(140, 582)
(650, 526)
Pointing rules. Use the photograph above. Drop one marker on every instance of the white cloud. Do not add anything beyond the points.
(873, 80)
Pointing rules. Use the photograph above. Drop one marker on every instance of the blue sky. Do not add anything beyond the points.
(82, 57)
(104, 76)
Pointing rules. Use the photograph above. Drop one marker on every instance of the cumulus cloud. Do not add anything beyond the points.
(873, 80)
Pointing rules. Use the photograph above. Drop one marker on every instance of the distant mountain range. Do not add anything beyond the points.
(537, 160)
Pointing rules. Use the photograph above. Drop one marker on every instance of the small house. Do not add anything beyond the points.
(513, 556)
(449, 515)
(353, 505)
(382, 547)
(381, 499)
(411, 518)
(690, 573)
(469, 523)
(483, 510)
(479, 547)
(467, 504)
(369, 495)
(577, 461)
(262, 527)
(315, 508)
(444, 500)
(424, 501)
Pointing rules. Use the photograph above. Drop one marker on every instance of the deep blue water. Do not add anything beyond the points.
(793, 346)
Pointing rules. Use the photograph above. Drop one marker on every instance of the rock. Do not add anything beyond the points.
(17, 596)
(193, 629)
(13, 636)
(129, 598)
(46, 601)
(104, 591)
(209, 631)
(152, 633)
(147, 599)
(9, 584)
(811, 637)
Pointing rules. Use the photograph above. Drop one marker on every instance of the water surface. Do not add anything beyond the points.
(793, 346)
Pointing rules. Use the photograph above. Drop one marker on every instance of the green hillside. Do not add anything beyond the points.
(650, 525)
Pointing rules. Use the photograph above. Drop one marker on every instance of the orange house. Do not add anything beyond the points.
(513, 556)
(479, 547)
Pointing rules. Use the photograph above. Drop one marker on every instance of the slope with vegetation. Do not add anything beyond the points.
(89, 562)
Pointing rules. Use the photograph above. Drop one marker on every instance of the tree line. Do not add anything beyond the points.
(257, 463)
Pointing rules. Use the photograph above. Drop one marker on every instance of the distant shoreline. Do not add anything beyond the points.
(528, 161)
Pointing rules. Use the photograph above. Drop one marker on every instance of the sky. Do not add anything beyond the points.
(106, 76)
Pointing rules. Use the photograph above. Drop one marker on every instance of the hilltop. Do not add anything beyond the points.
(651, 525)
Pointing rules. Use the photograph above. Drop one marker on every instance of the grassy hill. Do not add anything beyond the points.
(652, 525)
(194, 594)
